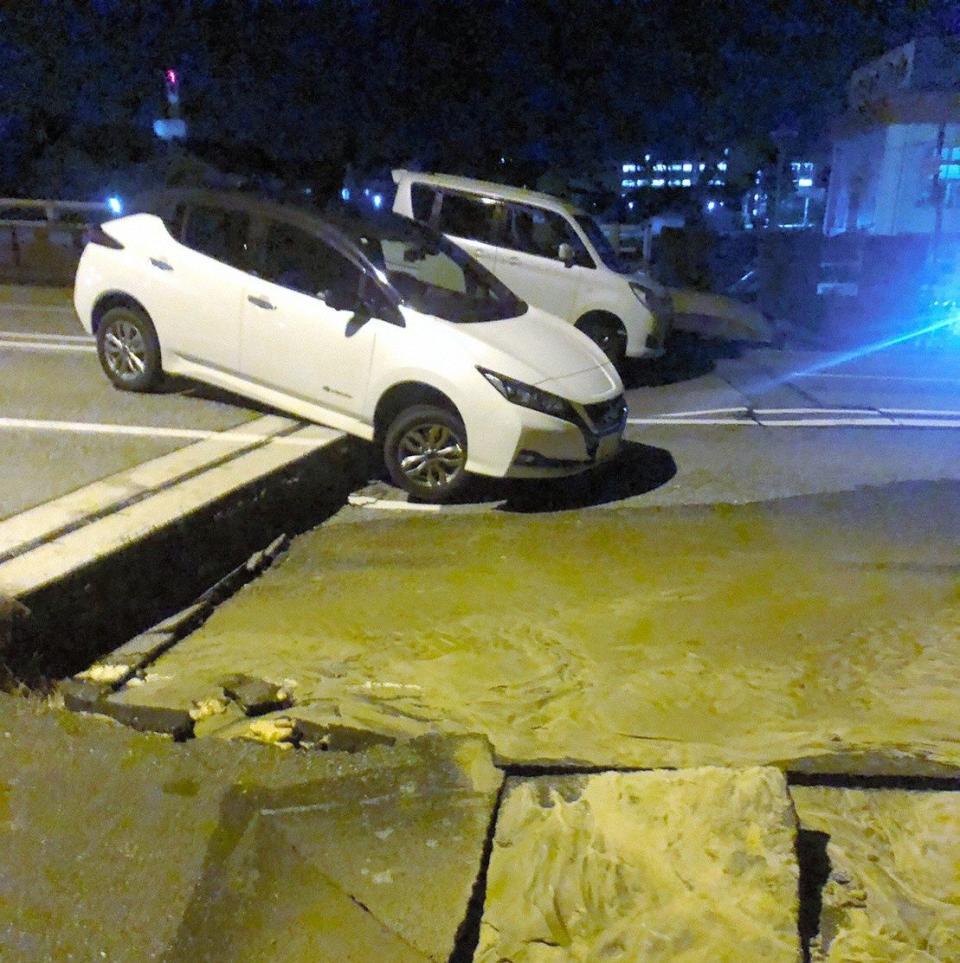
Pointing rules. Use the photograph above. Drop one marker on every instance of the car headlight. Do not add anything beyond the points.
(527, 396)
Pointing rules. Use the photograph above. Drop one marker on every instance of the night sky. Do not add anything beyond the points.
(305, 89)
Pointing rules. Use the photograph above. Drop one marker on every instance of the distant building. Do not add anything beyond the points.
(656, 173)
(896, 153)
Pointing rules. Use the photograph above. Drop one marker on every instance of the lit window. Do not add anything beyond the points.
(646, 158)
(687, 168)
(659, 167)
(629, 168)
(628, 183)
(685, 182)
(643, 182)
(657, 182)
(805, 182)
(676, 167)
(722, 166)
(703, 167)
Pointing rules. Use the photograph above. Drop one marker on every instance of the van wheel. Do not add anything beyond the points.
(608, 333)
(425, 451)
(128, 349)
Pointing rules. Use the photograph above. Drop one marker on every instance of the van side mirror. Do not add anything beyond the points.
(566, 254)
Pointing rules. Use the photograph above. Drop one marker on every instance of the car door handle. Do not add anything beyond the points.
(513, 260)
(158, 262)
(261, 303)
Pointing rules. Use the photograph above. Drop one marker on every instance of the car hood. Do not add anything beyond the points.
(542, 350)
(649, 282)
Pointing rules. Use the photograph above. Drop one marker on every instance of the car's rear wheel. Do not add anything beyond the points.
(608, 333)
(128, 349)
(425, 451)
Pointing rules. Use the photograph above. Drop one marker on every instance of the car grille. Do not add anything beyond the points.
(605, 416)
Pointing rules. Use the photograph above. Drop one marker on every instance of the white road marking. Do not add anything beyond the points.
(920, 411)
(671, 420)
(927, 422)
(878, 422)
(869, 377)
(705, 411)
(47, 346)
(814, 411)
(143, 431)
(365, 501)
(37, 336)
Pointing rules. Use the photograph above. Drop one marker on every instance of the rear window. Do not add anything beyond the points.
(218, 233)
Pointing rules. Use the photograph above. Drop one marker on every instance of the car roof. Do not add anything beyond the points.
(352, 221)
(519, 195)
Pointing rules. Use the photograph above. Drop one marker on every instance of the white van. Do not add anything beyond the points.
(550, 253)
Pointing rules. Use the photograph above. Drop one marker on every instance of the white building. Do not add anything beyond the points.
(896, 154)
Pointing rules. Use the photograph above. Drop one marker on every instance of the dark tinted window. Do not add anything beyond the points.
(302, 262)
(468, 217)
(421, 199)
(218, 233)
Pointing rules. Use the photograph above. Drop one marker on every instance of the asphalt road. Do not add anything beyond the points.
(62, 425)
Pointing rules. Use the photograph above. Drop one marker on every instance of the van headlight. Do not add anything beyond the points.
(642, 294)
(527, 396)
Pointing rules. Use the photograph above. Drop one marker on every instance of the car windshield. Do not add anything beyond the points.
(434, 276)
(601, 245)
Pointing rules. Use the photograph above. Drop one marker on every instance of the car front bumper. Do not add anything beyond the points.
(542, 446)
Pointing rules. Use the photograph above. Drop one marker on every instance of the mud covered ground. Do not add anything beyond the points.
(819, 632)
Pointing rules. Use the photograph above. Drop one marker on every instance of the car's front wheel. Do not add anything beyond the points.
(128, 349)
(608, 333)
(425, 451)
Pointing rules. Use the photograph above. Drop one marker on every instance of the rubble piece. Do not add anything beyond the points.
(121, 845)
(278, 731)
(332, 737)
(256, 696)
(681, 866)
(893, 892)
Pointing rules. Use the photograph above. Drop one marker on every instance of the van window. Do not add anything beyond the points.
(218, 233)
(468, 217)
(421, 200)
(534, 230)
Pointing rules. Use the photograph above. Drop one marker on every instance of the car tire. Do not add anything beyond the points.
(128, 349)
(425, 451)
(609, 334)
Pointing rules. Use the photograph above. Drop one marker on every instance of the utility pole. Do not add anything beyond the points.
(781, 137)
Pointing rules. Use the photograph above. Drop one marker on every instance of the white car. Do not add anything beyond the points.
(379, 327)
(550, 253)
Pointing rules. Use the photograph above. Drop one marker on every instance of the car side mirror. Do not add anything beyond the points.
(566, 254)
(338, 300)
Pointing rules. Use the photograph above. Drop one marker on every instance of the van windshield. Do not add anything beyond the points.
(601, 245)
(434, 276)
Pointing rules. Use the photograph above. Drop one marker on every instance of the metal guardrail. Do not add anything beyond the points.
(19, 215)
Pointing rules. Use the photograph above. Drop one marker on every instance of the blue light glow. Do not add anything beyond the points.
(711, 206)
(115, 204)
(378, 201)
(345, 193)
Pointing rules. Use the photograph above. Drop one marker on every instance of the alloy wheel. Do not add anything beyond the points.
(125, 350)
(431, 455)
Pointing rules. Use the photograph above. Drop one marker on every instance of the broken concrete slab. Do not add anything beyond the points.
(679, 866)
(123, 846)
(256, 696)
(893, 892)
